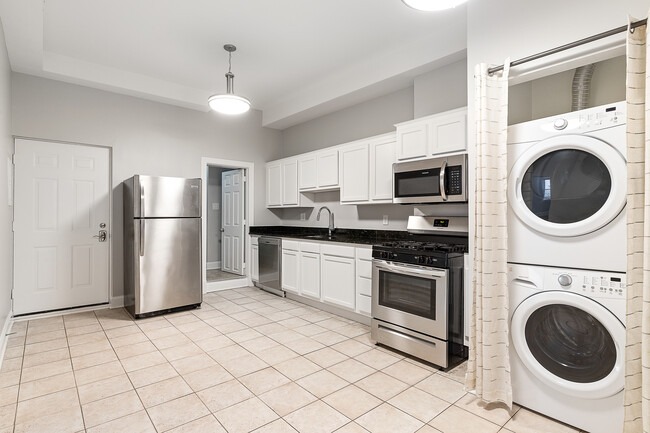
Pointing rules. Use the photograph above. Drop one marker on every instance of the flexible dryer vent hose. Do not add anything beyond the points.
(581, 87)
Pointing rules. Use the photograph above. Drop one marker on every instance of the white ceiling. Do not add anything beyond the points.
(295, 59)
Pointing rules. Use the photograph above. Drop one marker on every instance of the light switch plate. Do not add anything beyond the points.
(385, 221)
(215, 206)
(302, 216)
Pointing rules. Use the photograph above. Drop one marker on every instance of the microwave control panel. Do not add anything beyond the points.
(454, 180)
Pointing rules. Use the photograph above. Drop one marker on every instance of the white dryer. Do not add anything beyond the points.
(567, 190)
(567, 344)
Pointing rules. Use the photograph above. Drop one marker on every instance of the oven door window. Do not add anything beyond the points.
(407, 293)
(420, 183)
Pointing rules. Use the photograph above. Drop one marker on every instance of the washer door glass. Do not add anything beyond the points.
(566, 186)
(570, 343)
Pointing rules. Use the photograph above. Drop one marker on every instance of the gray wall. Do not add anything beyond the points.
(366, 119)
(440, 90)
(146, 138)
(213, 235)
(551, 95)
(6, 211)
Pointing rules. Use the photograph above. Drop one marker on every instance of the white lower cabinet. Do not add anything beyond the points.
(255, 263)
(310, 274)
(363, 280)
(338, 275)
(290, 266)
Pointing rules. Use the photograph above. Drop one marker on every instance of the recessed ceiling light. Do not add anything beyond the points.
(229, 103)
(432, 5)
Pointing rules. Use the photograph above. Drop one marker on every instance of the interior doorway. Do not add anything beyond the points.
(225, 232)
(227, 201)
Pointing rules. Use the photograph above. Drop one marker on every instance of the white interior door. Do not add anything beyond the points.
(62, 205)
(232, 221)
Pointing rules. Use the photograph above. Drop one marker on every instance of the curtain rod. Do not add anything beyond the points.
(570, 45)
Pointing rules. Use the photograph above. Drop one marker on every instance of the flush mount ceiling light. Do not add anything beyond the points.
(229, 103)
(432, 5)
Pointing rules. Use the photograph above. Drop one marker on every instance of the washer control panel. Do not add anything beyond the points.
(591, 283)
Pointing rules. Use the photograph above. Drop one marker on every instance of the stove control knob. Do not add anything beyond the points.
(394, 255)
(431, 261)
(421, 259)
(565, 280)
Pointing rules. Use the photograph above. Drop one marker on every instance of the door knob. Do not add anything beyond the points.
(101, 236)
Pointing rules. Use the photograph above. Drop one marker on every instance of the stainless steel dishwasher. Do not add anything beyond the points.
(270, 265)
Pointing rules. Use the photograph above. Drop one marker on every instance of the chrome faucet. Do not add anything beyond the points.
(330, 229)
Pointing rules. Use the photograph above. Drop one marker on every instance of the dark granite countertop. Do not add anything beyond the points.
(342, 235)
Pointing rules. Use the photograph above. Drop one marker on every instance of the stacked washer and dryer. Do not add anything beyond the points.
(567, 262)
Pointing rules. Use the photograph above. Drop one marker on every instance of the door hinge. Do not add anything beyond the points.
(13, 158)
(243, 266)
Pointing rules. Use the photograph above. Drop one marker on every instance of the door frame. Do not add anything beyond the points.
(249, 214)
(113, 301)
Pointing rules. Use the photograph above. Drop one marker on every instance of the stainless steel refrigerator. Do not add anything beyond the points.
(162, 244)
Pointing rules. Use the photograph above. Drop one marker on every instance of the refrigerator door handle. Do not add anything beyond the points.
(141, 237)
(141, 200)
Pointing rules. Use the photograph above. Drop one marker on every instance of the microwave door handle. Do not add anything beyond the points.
(443, 193)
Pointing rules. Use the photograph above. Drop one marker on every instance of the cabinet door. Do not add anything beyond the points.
(290, 270)
(307, 172)
(290, 183)
(412, 141)
(255, 264)
(274, 185)
(448, 133)
(310, 274)
(328, 169)
(382, 157)
(337, 280)
(354, 173)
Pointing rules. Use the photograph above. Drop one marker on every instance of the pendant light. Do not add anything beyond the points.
(432, 5)
(229, 103)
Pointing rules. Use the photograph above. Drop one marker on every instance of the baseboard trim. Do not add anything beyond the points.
(364, 320)
(62, 312)
(213, 265)
(116, 302)
(6, 329)
(236, 283)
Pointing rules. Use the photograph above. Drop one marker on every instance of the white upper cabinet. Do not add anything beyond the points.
(432, 135)
(282, 185)
(319, 171)
(274, 184)
(355, 169)
(290, 183)
(328, 168)
(382, 157)
(307, 179)
(448, 133)
(412, 141)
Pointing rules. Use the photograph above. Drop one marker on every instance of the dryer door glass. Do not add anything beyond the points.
(570, 343)
(566, 186)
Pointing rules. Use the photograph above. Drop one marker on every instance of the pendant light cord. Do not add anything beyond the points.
(229, 61)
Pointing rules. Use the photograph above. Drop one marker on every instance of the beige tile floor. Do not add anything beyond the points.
(213, 275)
(246, 361)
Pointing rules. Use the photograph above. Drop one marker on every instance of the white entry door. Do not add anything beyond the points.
(61, 224)
(232, 221)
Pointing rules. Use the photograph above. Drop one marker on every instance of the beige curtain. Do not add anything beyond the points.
(488, 369)
(637, 351)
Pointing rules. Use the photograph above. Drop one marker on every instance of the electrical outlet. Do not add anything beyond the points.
(385, 221)
(215, 206)
(302, 216)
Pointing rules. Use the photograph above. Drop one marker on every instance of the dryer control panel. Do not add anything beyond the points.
(590, 283)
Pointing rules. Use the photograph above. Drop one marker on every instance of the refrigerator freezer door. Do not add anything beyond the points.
(166, 197)
(168, 252)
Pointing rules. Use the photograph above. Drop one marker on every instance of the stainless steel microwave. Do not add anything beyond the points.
(435, 180)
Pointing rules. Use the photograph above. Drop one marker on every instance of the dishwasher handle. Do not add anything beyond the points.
(271, 241)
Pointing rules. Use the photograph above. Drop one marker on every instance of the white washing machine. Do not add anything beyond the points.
(567, 344)
(567, 190)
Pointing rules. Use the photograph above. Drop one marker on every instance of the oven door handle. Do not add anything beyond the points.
(431, 273)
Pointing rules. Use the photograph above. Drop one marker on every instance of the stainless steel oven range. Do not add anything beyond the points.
(417, 291)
